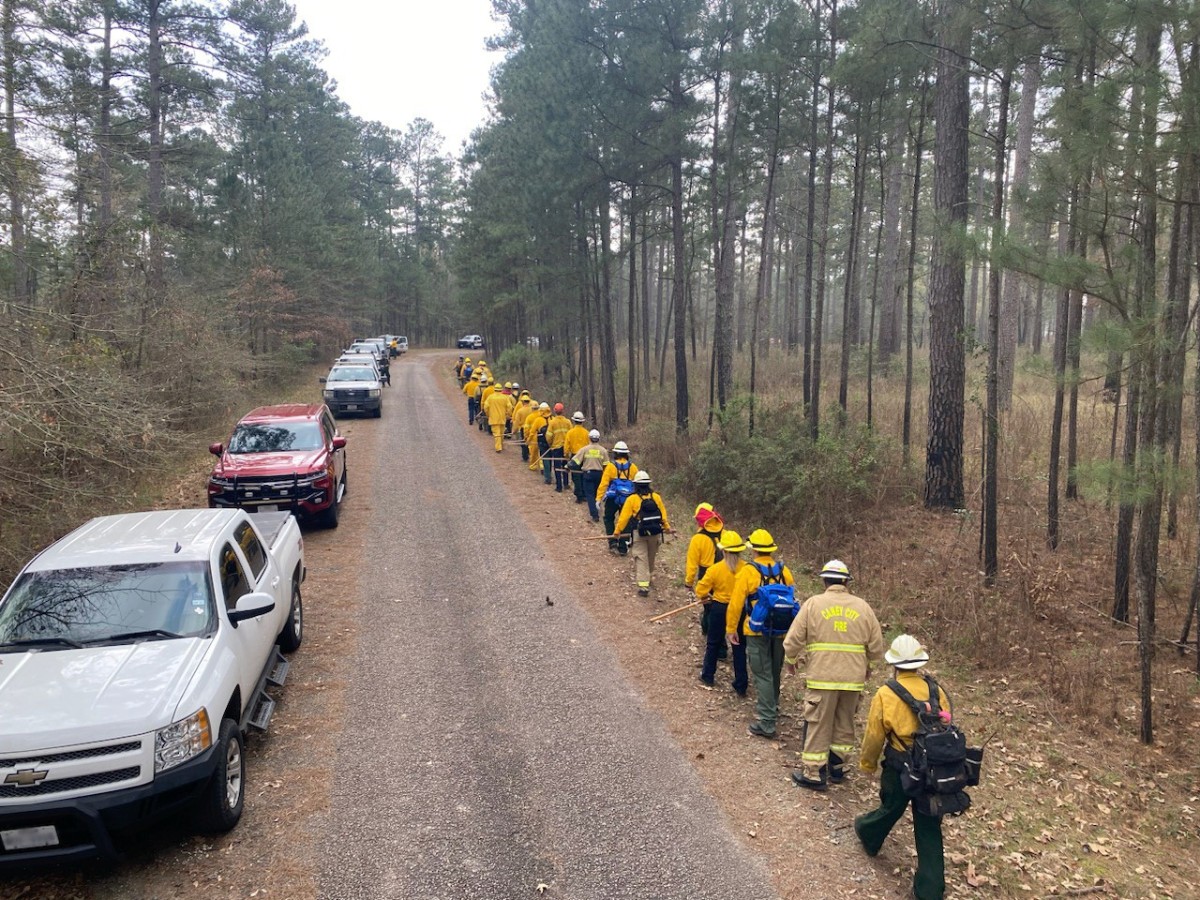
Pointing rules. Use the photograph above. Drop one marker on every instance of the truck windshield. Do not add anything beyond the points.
(275, 438)
(352, 373)
(70, 607)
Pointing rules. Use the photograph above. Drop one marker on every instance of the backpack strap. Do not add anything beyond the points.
(930, 707)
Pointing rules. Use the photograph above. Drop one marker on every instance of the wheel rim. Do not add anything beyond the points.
(297, 615)
(233, 774)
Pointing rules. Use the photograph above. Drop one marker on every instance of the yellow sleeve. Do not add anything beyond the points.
(874, 737)
(605, 477)
(629, 509)
(705, 587)
(693, 561)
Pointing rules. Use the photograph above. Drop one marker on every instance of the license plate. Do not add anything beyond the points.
(268, 507)
(29, 838)
(351, 406)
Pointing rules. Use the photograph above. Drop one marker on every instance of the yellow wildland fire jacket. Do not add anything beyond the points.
(838, 635)
(890, 719)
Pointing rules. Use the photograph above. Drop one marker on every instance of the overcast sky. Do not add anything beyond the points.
(395, 60)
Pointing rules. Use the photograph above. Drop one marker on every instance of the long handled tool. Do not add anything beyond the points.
(676, 610)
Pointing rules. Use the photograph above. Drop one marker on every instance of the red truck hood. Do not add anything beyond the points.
(300, 462)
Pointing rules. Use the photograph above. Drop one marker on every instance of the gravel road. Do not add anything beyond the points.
(492, 745)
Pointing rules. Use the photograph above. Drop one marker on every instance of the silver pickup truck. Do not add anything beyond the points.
(135, 653)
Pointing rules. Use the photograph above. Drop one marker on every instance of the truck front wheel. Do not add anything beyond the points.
(221, 803)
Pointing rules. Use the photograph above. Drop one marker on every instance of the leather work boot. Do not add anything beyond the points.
(813, 784)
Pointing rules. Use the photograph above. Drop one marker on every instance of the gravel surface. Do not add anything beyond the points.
(492, 746)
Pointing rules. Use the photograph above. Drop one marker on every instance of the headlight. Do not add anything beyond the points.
(373, 392)
(328, 395)
(311, 478)
(180, 742)
(220, 484)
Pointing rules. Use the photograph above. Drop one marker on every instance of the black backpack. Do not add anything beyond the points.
(543, 441)
(718, 553)
(649, 517)
(937, 765)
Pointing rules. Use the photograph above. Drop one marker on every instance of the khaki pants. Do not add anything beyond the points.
(644, 550)
(498, 434)
(828, 725)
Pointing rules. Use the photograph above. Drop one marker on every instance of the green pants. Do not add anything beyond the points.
(765, 655)
(873, 828)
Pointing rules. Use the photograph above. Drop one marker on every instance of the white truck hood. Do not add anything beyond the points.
(58, 698)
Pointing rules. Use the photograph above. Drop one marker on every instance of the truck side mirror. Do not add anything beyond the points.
(321, 379)
(339, 442)
(251, 606)
(216, 449)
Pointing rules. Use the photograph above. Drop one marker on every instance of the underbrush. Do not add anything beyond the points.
(82, 431)
(778, 477)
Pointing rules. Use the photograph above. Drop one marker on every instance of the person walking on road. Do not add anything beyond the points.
(458, 367)
(534, 436)
(489, 388)
(703, 551)
(575, 441)
(715, 588)
(554, 460)
(616, 483)
(520, 414)
(496, 408)
(763, 652)
(471, 389)
(645, 516)
(591, 461)
(838, 635)
(891, 724)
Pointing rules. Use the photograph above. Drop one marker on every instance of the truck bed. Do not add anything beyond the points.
(270, 524)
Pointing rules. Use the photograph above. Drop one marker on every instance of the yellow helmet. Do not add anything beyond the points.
(731, 542)
(762, 542)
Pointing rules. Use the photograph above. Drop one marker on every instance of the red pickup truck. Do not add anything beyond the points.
(287, 458)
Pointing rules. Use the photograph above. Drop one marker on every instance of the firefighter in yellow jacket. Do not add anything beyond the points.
(496, 408)
(764, 652)
(715, 587)
(554, 460)
(891, 725)
(644, 515)
(838, 635)
(522, 412)
(702, 552)
(471, 392)
(620, 469)
(576, 440)
(533, 424)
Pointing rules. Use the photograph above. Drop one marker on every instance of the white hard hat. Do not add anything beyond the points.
(620, 447)
(577, 417)
(642, 477)
(906, 652)
(835, 569)
(593, 435)
(544, 407)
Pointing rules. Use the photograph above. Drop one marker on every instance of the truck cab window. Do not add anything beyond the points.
(234, 583)
(252, 549)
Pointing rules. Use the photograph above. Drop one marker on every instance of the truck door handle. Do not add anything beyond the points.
(275, 582)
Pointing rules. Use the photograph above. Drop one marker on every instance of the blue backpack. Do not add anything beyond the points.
(775, 605)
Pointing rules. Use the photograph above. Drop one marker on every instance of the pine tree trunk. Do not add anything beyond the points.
(12, 159)
(679, 273)
(1010, 304)
(818, 324)
(889, 300)
(918, 156)
(947, 362)
(631, 407)
(991, 480)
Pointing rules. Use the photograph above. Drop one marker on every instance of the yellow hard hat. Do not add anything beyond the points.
(762, 542)
(731, 541)
(508, 384)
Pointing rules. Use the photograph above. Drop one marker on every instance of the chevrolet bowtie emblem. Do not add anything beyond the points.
(25, 777)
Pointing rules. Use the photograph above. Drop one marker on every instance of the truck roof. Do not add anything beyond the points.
(138, 538)
(282, 412)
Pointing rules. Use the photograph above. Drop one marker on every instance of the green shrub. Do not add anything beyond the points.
(779, 477)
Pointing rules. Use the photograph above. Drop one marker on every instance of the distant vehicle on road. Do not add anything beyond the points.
(136, 653)
(288, 458)
(471, 342)
(353, 387)
(376, 347)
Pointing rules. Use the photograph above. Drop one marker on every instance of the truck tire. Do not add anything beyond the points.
(329, 516)
(378, 413)
(220, 806)
(293, 629)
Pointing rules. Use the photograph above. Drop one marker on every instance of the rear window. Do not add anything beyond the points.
(275, 437)
(351, 373)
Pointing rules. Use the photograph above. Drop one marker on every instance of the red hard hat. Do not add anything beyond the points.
(558, 407)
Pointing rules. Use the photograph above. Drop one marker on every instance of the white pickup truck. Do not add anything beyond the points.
(134, 655)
